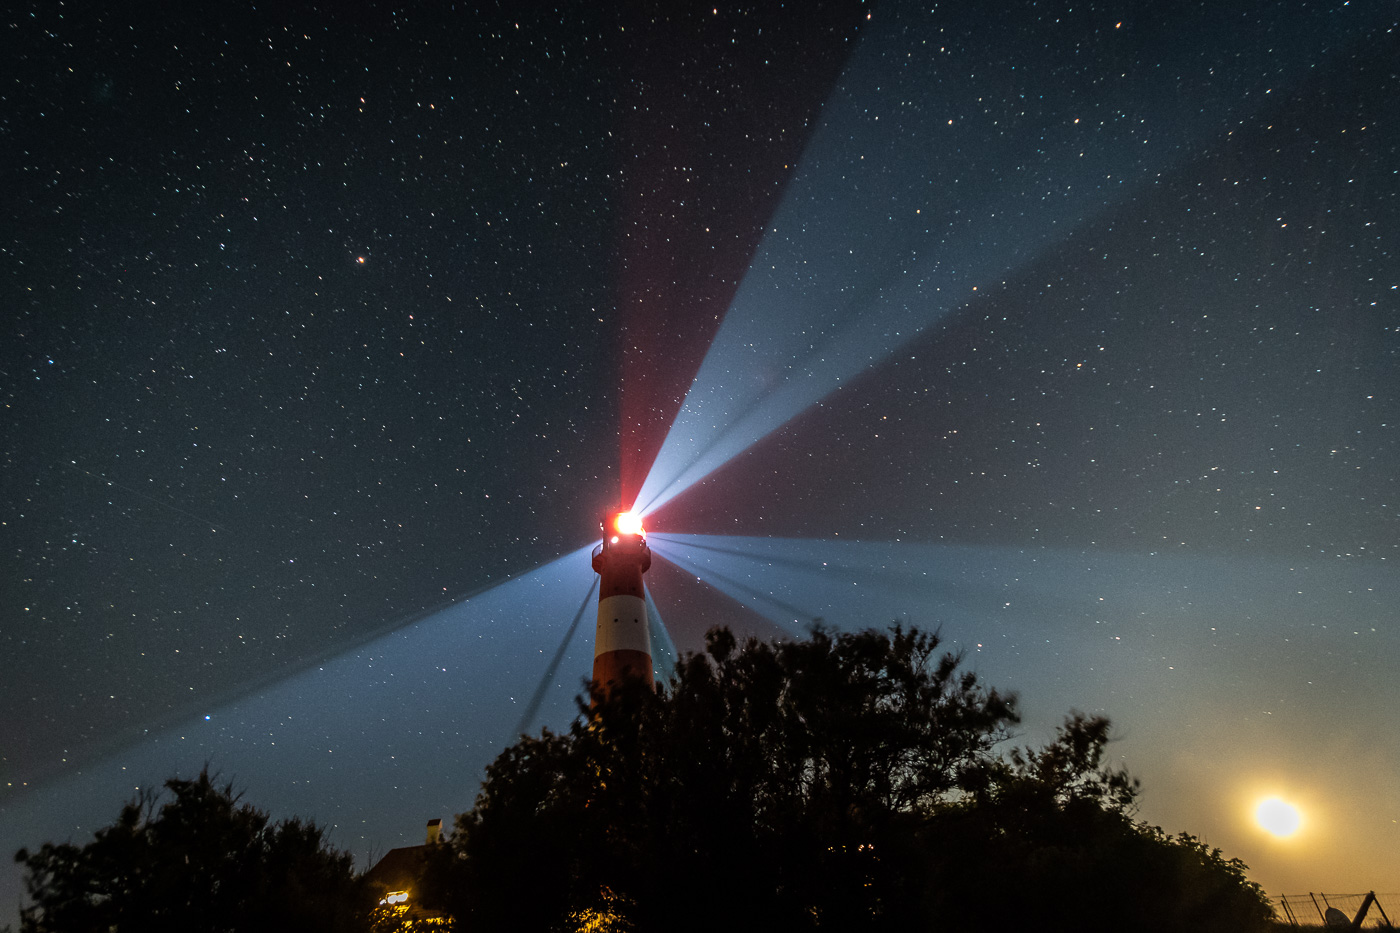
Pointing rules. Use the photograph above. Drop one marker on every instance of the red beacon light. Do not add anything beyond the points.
(623, 532)
(629, 523)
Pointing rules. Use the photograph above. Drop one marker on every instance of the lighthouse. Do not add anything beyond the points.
(622, 645)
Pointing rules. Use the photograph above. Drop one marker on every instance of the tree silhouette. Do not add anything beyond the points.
(1050, 839)
(848, 781)
(199, 861)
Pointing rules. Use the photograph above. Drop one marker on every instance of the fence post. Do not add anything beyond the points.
(1382, 910)
(1287, 910)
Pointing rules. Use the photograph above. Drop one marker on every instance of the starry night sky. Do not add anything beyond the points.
(322, 324)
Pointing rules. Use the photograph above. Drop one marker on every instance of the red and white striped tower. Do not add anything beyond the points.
(622, 646)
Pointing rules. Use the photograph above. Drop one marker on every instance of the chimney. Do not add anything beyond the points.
(434, 831)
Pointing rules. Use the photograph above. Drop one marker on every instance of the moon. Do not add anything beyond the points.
(1278, 817)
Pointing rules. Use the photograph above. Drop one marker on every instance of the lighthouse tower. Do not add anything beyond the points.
(622, 646)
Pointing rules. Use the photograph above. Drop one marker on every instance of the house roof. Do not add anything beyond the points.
(399, 869)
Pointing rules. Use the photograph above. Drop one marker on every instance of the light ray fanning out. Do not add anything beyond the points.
(663, 649)
(915, 192)
(443, 691)
(1128, 631)
(547, 680)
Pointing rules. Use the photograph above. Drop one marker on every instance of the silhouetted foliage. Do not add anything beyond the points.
(847, 781)
(199, 861)
(1050, 840)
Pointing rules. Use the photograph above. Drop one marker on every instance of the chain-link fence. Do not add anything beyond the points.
(1336, 910)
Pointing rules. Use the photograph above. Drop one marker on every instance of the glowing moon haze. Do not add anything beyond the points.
(1278, 817)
